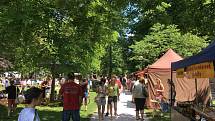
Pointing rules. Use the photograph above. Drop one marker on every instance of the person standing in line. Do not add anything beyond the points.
(124, 80)
(12, 91)
(119, 84)
(100, 98)
(33, 98)
(44, 86)
(128, 83)
(134, 82)
(159, 89)
(139, 93)
(113, 94)
(159, 94)
(72, 99)
(84, 85)
(172, 92)
(89, 83)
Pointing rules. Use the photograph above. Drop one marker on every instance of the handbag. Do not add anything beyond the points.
(144, 92)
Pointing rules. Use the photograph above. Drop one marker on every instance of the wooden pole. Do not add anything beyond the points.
(196, 91)
(171, 98)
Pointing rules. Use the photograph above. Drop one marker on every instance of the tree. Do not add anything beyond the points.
(161, 38)
(47, 34)
(117, 64)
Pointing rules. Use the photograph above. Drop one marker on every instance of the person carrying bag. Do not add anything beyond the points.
(144, 91)
(139, 94)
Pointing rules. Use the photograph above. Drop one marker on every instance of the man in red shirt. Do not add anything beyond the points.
(72, 99)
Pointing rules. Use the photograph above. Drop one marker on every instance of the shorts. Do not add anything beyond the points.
(101, 101)
(74, 114)
(112, 99)
(140, 103)
(85, 94)
(11, 103)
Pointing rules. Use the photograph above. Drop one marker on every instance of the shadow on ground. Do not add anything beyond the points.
(125, 117)
(121, 117)
(128, 104)
(44, 115)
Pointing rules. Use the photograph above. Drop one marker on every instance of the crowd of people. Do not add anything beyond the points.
(36, 92)
(74, 92)
(113, 87)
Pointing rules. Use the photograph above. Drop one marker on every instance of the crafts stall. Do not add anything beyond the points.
(197, 67)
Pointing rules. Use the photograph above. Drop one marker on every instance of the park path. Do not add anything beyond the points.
(126, 109)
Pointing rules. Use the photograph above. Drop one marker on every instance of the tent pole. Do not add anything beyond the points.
(196, 91)
(171, 90)
(171, 98)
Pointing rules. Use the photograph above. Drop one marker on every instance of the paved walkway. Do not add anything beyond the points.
(126, 110)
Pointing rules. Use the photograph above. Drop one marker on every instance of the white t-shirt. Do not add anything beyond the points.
(27, 114)
(29, 82)
(137, 90)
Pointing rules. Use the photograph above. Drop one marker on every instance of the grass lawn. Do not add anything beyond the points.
(51, 112)
(213, 102)
(157, 117)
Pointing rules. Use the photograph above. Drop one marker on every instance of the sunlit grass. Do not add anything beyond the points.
(52, 112)
(159, 116)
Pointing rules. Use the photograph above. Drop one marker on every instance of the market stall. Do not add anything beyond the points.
(161, 69)
(198, 67)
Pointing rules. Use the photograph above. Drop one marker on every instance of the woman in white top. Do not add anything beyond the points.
(139, 93)
(33, 97)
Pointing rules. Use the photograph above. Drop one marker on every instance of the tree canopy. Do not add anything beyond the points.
(75, 35)
(161, 38)
(43, 33)
(102, 36)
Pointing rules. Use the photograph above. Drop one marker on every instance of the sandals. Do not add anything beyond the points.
(115, 114)
(138, 118)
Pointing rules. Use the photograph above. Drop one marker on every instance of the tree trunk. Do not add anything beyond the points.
(53, 84)
(110, 61)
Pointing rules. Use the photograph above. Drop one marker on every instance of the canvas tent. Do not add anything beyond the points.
(185, 88)
(207, 56)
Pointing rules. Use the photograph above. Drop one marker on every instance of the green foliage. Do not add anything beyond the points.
(162, 38)
(72, 34)
(117, 62)
(194, 16)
